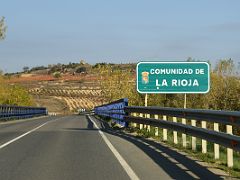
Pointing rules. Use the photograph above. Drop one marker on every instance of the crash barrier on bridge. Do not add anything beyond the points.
(20, 112)
(113, 110)
(192, 122)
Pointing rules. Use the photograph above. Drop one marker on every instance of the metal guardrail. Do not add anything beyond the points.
(223, 139)
(138, 115)
(114, 110)
(19, 112)
(223, 117)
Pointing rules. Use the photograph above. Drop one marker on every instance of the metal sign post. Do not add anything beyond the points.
(173, 77)
(185, 101)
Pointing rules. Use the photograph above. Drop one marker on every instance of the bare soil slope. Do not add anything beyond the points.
(65, 95)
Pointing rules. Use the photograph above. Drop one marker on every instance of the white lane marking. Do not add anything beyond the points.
(181, 166)
(122, 161)
(22, 120)
(19, 137)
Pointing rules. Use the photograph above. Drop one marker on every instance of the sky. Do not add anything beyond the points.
(55, 31)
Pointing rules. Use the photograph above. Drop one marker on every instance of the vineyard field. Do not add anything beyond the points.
(64, 95)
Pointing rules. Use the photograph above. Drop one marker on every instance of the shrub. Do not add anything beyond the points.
(57, 75)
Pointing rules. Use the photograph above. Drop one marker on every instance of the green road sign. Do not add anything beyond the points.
(173, 77)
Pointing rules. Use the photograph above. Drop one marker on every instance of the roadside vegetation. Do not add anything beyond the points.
(224, 92)
(14, 94)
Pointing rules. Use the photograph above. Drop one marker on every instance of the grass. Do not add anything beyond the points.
(220, 163)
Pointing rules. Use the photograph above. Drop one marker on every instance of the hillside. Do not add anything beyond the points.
(65, 89)
(62, 95)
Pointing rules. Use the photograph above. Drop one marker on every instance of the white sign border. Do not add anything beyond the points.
(173, 62)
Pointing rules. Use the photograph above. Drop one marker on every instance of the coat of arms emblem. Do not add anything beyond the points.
(145, 77)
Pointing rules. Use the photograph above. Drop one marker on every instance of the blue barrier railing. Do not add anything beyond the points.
(114, 110)
(9, 111)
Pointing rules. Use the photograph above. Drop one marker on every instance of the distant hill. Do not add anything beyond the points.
(64, 88)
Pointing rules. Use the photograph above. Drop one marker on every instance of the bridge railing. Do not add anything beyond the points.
(193, 122)
(113, 110)
(20, 112)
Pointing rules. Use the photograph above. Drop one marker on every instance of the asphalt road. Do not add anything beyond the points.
(71, 148)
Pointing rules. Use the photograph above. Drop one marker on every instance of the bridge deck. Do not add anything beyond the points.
(71, 147)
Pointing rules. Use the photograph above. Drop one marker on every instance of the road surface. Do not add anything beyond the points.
(72, 147)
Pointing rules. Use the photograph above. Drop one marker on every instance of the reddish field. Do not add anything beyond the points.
(66, 77)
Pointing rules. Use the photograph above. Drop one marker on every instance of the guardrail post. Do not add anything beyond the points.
(184, 136)
(204, 142)
(135, 124)
(194, 139)
(141, 125)
(165, 130)
(216, 146)
(229, 150)
(175, 139)
(148, 126)
(156, 128)
(144, 125)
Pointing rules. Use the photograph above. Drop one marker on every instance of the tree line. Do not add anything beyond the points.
(224, 91)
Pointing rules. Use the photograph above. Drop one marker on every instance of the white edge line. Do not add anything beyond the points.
(21, 136)
(121, 160)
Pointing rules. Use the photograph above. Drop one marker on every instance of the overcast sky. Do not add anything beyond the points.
(53, 31)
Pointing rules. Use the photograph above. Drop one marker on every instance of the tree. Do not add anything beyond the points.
(81, 70)
(57, 75)
(225, 67)
(117, 84)
(2, 28)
